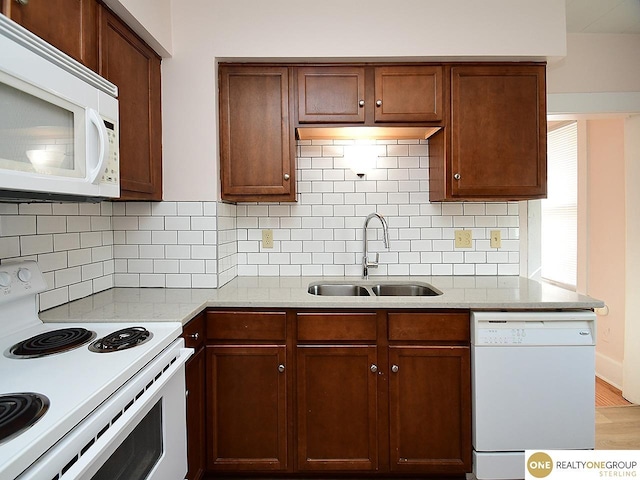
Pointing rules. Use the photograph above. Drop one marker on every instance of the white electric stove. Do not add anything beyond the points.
(73, 386)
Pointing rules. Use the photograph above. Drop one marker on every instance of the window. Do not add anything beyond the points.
(560, 208)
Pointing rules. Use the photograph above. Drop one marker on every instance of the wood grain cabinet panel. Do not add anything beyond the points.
(331, 94)
(194, 337)
(246, 408)
(369, 95)
(337, 408)
(408, 94)
(257, 153)
(494, 146)
(70, 25)
(430, 409)
(135, 68)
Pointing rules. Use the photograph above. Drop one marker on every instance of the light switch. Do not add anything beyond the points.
(496, 239)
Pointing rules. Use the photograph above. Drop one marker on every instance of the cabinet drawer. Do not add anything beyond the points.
(246, 325)
(193, 332)
(337, 326)
(429, 326)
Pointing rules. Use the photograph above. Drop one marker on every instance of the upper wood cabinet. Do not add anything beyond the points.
(257, 151)
(369, 95)
(134, 67)
(494, 142)
(70, 25)
(331, 94)
(408, 94)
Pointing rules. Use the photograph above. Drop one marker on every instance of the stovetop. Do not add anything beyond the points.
(75, 381)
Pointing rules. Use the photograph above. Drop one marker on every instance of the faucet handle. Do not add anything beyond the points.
(377, 258)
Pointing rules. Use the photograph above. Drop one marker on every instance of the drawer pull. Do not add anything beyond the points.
(373, 368)
(395, 368)
(281, 368)
(195, 336)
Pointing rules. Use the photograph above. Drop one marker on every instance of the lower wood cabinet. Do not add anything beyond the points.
(247, 401)
(193, 335)
(247, 408)
(337, 407)
(338, 393)
(429, 405)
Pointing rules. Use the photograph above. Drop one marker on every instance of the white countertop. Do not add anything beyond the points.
(182, 304)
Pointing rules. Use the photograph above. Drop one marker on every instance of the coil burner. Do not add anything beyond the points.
(18, 411)
(48, 343)
(121, 340)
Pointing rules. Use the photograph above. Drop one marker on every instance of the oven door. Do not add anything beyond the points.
(139, 433)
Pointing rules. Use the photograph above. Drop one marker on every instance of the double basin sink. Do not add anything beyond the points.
(387, 289)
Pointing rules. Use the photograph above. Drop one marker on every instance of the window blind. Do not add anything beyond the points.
(560, 208)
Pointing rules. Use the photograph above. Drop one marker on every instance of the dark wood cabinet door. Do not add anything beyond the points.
(257, 155)
(135, 68)
(331, 94)
(246, 408)
(498, 132)
(430, 409)
(70, 25)
(336, 404)
(408, 94)
(195, 375)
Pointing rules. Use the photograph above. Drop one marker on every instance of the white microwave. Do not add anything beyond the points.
(59, 138)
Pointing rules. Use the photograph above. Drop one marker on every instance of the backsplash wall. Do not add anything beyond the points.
(86, 248)
(322, 234)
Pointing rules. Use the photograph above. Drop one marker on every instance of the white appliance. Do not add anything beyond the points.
(58, 123)
(533, 387)
(115, 415)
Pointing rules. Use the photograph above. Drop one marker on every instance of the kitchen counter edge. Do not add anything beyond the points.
(125, 304)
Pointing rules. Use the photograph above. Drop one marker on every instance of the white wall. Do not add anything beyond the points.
(631, 365)
(307, 29)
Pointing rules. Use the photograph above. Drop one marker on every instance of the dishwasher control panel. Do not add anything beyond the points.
(532, 328)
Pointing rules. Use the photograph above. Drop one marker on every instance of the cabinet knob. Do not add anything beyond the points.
(361, 103)
(395, 368)
(378, 103)
(287, 176)
(456, 176)
(22, 2)
(281, 368)
(195, 336)
(374, 368)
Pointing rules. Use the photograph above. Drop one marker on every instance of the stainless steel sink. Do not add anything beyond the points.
(338, 290)
(392, 289)
(405, 290)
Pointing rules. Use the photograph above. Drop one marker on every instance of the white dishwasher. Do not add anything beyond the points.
(533, 387)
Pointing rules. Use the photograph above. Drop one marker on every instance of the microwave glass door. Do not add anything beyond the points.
(39, 132)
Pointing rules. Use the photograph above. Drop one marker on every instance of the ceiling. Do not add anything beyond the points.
(603, 16)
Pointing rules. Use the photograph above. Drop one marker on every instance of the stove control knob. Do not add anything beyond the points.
(24, 275)
(5, 279)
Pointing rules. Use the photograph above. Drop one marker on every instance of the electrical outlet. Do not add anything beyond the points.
(267, 238)
(495, 239)
(463, 238)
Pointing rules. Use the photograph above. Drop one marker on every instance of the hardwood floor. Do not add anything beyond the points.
(618, 428)
(608, 395)
(617, 420)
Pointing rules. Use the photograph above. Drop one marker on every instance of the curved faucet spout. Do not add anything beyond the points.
(366, 264)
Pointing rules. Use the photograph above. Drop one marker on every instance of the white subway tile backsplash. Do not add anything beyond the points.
(86, 248)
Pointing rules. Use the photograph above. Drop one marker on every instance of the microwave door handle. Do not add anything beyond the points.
(94, 118)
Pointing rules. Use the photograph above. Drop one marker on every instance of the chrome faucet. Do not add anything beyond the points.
(366, 264)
